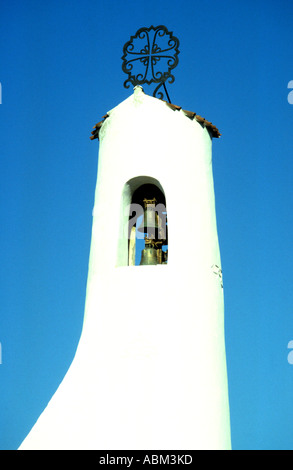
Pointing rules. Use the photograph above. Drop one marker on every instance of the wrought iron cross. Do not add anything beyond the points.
(147, 48)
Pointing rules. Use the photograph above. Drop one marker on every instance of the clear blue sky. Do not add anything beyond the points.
(60, 70)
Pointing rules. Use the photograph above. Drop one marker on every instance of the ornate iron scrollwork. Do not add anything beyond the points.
(142, 53)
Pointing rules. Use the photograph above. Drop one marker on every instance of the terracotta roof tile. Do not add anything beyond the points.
(201, 120)
(97, 127)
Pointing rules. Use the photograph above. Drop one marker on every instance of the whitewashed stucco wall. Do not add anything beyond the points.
(150, 368)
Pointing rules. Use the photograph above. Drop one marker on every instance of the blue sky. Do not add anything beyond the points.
(60, 71)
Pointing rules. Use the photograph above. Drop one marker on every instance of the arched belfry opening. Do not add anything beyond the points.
(144, 223)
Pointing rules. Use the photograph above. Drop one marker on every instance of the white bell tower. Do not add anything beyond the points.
(150, 368)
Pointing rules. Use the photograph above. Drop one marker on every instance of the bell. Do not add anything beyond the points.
(149, 223)
(148, 257)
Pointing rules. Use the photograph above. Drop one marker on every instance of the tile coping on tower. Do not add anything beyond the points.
(190, 114)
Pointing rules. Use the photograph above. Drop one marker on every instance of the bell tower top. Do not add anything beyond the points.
(138, 94)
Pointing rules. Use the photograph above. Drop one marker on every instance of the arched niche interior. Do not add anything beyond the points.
(143, 224)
